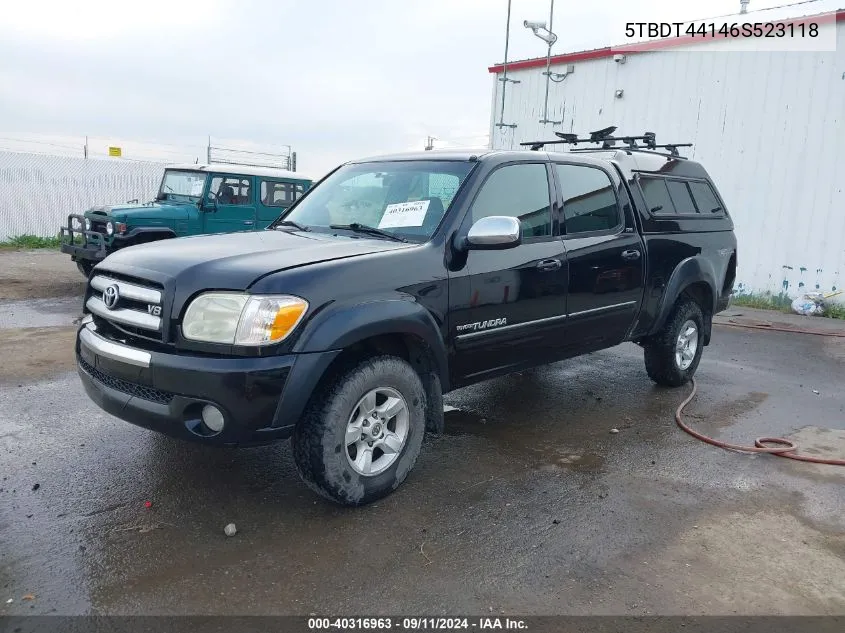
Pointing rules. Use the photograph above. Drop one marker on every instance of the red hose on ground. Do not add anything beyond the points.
(785, 448)
(774, 328)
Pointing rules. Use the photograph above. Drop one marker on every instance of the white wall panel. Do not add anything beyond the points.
(768, 126)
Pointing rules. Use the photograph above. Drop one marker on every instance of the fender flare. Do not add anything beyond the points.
(165, 233)
(336, 328)
(689, 271)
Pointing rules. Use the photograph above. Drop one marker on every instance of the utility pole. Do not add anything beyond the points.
(85, 148)
(208, 151)
(504, 78)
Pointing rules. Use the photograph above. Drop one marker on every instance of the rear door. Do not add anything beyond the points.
(509, 307)
(230, 204)
(605, 254)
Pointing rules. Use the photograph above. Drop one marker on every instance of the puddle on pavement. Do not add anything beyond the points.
(52, 312)
(32, 354)
(726, 413)
(821, 442)
(460, 422)
(523, 441)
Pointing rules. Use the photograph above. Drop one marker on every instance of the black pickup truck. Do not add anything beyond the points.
(395, 280)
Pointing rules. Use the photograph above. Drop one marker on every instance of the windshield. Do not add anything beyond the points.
(407, 199)
(184, 184)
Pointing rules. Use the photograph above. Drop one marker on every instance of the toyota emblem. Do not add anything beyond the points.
(111, 296)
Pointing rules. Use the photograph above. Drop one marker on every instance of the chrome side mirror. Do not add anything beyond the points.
(494, 232)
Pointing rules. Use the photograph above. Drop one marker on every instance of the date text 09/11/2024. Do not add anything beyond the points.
(711, 29)
(418, 624)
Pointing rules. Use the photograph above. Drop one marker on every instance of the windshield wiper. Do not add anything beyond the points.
(369, 230)
(295, 225)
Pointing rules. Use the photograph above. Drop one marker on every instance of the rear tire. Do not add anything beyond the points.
(362, 431)
(672, 355)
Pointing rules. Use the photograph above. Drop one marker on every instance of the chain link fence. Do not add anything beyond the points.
(37, 192)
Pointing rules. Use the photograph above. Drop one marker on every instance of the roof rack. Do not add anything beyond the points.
(608, 141)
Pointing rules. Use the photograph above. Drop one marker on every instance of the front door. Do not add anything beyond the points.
(230, 204)
(508, 306)
(605, 255)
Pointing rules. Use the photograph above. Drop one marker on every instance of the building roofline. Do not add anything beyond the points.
(642, 47)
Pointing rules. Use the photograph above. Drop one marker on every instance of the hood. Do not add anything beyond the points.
(148, 210)
(234, 261)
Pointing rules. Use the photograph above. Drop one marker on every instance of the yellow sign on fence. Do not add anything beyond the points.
(115, 151)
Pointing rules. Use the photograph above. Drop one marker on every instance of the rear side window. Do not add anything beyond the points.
(519, 191)
(705, 198)
(277, 194)
(657, 196)
(589, 202)
(681, 197)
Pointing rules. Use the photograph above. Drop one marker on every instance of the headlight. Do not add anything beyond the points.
(240, 319)
(110, 228)
(87, 224)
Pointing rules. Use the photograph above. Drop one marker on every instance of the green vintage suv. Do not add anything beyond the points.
(192, 200)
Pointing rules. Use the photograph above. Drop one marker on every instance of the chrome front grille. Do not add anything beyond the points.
(126, 304)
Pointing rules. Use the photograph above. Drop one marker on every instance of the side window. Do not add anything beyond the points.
(681, 197)
(589, 201)
(230, 190)
(276, 194)
(299, 191)
(705, 199)
(657, 196)
(519, 191)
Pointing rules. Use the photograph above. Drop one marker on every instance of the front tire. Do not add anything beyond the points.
(362, 432)
(673, 354)
(85, 267)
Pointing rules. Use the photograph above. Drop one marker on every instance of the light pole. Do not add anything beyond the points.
(545, 33)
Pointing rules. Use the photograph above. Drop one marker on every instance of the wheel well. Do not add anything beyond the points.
(702, 294)
(408, 347)
(730, 275)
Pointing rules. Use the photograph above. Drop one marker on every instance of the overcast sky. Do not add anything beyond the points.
(335, 79)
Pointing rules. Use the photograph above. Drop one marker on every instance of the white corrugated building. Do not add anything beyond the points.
(768, 125)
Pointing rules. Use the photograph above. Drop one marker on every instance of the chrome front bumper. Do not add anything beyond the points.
(114, 351)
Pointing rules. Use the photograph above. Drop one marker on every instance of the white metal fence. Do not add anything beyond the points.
(37, 192)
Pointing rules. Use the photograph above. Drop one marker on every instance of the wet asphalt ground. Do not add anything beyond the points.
(529, 504)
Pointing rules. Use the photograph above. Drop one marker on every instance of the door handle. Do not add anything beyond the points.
(630, 256)
(548, 265)
(249, 222)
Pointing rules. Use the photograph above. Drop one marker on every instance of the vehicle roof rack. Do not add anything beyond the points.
(608, 141)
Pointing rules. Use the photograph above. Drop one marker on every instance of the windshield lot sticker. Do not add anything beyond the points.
(196, 187)
(404, 214)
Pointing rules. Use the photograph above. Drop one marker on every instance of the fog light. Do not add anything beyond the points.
(213, 418)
